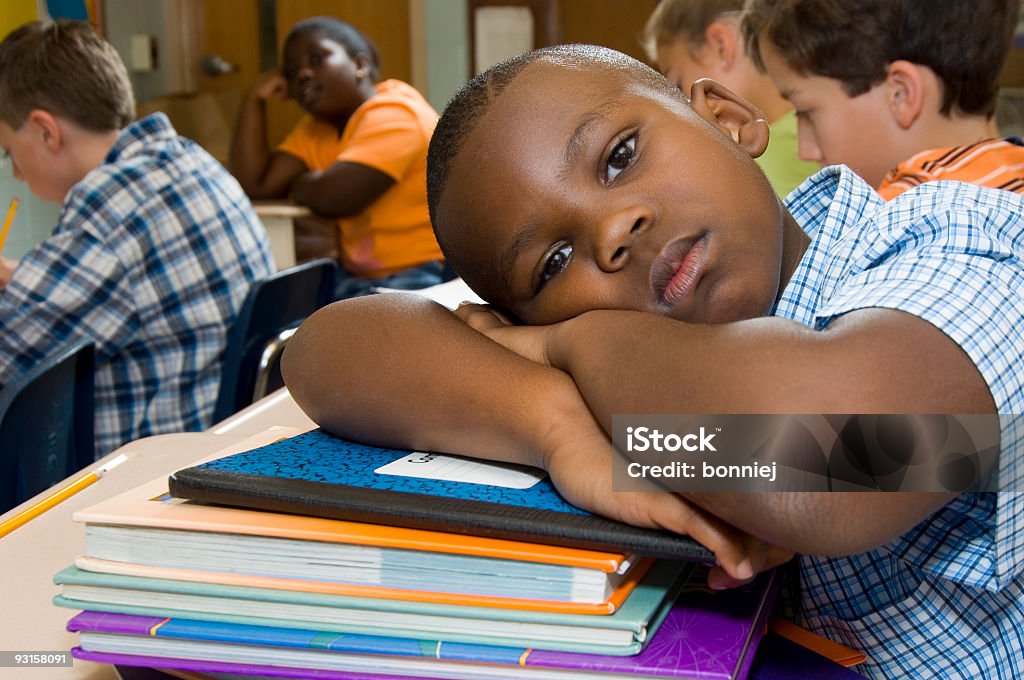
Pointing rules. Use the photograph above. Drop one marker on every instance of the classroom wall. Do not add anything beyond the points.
(446, 28)
(34, 219)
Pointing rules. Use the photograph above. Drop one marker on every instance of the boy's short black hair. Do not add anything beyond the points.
(854, 41)
(474, 99)
(345, 34)
(65, 68)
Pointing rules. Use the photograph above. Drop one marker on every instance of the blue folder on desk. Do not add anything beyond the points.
(317, 474)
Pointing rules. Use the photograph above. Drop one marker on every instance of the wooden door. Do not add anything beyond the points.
(228, 30)
(617, 24)
(203, 106)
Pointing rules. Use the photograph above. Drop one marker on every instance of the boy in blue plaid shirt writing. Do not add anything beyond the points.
(651, 269)
(156, 245)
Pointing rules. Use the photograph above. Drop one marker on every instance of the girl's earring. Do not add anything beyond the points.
(360, 73)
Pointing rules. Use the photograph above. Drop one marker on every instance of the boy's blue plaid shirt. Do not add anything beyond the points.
(945, 600)
(153, 255)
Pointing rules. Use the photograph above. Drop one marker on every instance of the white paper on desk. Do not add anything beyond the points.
(449, 293)
(456, 469)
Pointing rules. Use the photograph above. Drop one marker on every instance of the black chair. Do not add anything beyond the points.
(269, 316)
(46, 424)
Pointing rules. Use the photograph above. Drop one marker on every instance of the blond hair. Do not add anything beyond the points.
(684, 20)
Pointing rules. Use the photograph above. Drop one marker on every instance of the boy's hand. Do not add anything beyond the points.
(270, 84)
(530, 342)
(7, 268)
(577, 455)
(578, 458)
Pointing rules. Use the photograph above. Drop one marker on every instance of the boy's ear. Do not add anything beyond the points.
(731, 114)
(45, 128)
(906, 92)
(722, 41)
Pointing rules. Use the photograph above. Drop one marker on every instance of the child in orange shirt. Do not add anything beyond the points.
(359, 156)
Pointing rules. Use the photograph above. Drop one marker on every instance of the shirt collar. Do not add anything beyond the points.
(137, 135)
(827, 207)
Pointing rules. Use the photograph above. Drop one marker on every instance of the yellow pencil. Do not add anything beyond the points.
(62, 494)
(7, 222)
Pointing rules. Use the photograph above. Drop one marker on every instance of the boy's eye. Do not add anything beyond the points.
(620, 158)
(556, 261)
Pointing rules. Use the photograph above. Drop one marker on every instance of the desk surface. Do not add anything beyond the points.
(32, 554)
(278, 219)
(280, 208)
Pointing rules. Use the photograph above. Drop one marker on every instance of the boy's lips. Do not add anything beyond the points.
(677, 269)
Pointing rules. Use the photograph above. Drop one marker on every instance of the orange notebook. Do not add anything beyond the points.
(597, 582)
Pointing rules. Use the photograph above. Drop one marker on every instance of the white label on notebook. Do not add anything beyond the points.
(456, 469)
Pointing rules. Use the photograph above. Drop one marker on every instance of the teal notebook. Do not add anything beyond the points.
(623, 633)
(707, 635)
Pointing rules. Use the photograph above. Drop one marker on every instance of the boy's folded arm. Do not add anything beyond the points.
(867, 361)
(398, 369)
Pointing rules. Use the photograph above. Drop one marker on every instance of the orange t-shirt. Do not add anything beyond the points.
(996, 163)
(390, 133)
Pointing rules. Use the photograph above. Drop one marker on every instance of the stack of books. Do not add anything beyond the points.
(352, 561)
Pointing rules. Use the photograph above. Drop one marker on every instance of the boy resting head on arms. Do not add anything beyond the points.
(628, 227)
(902, 91)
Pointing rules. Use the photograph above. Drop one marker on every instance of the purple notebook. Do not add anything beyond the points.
(705, 636)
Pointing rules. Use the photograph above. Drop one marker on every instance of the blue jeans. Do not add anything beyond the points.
(423, 276)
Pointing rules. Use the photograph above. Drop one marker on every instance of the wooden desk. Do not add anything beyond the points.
(277, 219)
(32, 554)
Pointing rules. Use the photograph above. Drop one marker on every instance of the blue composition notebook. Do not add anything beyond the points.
(324, 476)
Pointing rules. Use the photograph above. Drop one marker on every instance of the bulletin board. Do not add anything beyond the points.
(503, 28)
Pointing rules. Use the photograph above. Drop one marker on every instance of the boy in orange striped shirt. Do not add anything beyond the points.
(901, 91)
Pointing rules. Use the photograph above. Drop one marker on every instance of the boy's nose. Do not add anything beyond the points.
(616, 235)
(807, 146)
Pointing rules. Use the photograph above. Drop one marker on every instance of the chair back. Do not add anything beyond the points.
(271, 312)
(46, 424)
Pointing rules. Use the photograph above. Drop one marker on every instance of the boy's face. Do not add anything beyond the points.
(683, 66)
(30, 161)
(583, 188)
(832, 127)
